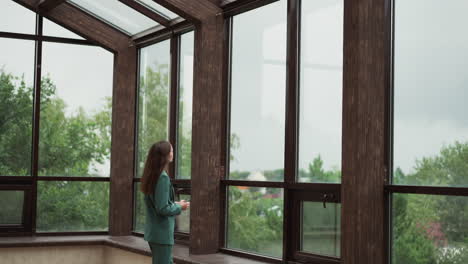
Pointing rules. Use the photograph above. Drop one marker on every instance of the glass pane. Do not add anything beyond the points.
(16, 106)
(255, 220)
(76, 110)
(54, 30)
(321, 91)
(159, 8)
(429, 229)
(430, 120)
(153, 98)
(321, 228)
(72, 206)
(17, 19)
(183, 220)
(117, 14)
(139, 211)
(258, 94)
(12, 207)
(184, 144)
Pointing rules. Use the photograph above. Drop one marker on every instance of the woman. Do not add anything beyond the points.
(159, 200)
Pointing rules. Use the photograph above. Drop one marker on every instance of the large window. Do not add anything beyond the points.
(184, 135)
(165, 113)
(55, 127)
(258, 94)
(258, 79)
(153, 98)
(282, 151)
(76, 93)
(430, 133)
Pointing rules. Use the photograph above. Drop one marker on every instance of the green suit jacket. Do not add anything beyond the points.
(160, 212)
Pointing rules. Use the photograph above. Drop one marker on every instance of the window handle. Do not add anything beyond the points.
(324, 200)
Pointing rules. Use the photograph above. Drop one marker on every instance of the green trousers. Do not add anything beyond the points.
(162, 254)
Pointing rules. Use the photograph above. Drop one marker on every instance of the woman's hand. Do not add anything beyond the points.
(183, 204)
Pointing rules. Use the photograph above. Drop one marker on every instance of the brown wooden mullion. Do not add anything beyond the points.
(428, 190)
(153, 35)
(181, 182)
(154, 15)
(389, 122)
(267, 184)
(70, 178)
(226, 134)
(36, 123)
(46, 38)
(291, 229)
(174, 101)
(21, 180)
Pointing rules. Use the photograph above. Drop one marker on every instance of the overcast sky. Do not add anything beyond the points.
(431, 80)
(83, 74)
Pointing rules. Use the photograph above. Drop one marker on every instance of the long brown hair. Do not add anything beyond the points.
(156, 161)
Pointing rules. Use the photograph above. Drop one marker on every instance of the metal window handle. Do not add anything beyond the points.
(325, 200)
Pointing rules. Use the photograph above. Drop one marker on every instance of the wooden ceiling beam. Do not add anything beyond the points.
(85, 24)
(194, 10)
(45, 6)
(154, 15)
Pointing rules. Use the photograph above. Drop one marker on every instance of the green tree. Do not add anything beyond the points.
(69, 146)
(433, 228)
(255, 223)
(410, 243)
(318, 174)
(153, 110)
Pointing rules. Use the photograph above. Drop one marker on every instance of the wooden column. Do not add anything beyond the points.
(365, 87)
(208, 134)
(208, 125)
(123, 134)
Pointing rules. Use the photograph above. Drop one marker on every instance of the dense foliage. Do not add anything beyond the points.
(70, 145)
(426, 228)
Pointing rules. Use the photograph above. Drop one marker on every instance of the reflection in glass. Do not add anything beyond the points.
(255, 220)
(117, 14)
(183, 220)
(321, 91)
(139, 210)
(429, 229)
(17, 19)
(258, 94)
(12, 207)
(153, 98)
(159, 8)
(184, 143)
(430, 93)
(76, 110)
(54, 30)
(16, 106)
(321, 228)
(72, 206)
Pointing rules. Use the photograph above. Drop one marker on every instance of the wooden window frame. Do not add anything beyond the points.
(182, 186)
(29, 183)
(294, 191)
